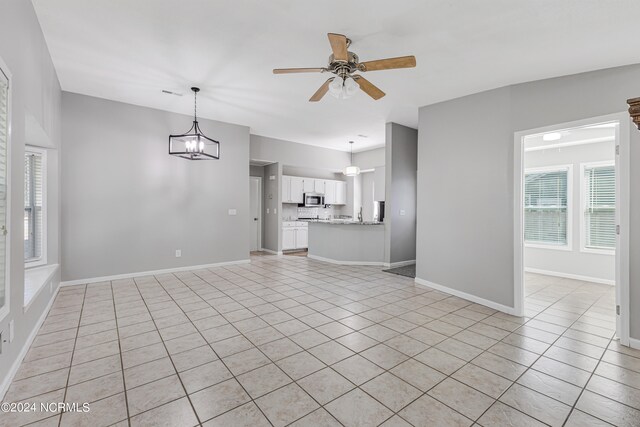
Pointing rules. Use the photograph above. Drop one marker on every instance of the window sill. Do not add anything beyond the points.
(565, 248)
(36, 279)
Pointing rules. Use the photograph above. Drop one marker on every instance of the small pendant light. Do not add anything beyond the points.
(351, 170)
(194, 145)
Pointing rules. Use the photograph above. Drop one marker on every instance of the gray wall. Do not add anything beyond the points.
(370, 159)
(294, 154)
(127, 205)
(400, 192)
(272, 197)
(465, 176)
(35, 92)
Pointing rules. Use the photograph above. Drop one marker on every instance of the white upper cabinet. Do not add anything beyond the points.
(330, 192)
(379, 184)
(286, 189)
(341, 193)
(294, 187)
(296, 193)
(308, 185)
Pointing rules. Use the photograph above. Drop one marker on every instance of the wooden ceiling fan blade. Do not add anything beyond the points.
(339, 46)
(369, 88)
(389, 63)
(322, 91)
(297, 70)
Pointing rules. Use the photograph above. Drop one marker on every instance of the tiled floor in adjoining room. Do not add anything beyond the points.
(289, 340)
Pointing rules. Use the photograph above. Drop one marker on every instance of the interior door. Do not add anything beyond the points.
(254, 212)
(4, 140)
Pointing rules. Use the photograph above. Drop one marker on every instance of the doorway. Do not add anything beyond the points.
(255, 213)
(571, 224)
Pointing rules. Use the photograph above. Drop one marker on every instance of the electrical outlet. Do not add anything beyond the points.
(275, 211)
(233, 212)
(178, 253)
(402, 212)
(267, 210)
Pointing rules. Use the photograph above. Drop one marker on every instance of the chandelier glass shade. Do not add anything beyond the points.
(194, 144)
(343, 87)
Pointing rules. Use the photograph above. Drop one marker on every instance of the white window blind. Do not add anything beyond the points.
(545, 207)
(600, 212)
(33, 206)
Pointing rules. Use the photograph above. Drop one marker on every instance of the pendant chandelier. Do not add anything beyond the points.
(351, 170)
(193, 144)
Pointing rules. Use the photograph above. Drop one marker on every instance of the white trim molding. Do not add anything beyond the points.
(399, 263)
(571, 276)
(634, 343)
(151, 273)
(271, 251)
(468, 297)
(6, 382)
(339, 262)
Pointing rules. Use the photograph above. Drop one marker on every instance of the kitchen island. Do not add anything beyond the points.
(347, 242)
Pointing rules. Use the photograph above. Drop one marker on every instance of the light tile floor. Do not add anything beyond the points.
(291, 341)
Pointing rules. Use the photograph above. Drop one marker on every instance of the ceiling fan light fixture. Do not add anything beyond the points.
(350, 87)
(336, 87)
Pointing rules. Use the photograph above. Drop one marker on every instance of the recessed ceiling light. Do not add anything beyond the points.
(553, 136)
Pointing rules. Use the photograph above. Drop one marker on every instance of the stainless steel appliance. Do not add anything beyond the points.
(313, 200)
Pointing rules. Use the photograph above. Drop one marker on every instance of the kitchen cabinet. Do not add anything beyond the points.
(295, 235)
(330, 192)
(286, 189)
(294, 187)
(296, 192)
(288, 238)
(379, 184)
(341, 193)
(308, 185)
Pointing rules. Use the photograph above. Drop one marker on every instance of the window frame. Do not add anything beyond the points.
(5, 309)
(42, 260)
(583, 201)
(568, 168)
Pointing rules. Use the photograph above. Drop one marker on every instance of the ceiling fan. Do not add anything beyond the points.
(344, 64)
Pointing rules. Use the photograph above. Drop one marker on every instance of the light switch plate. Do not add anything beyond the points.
(402, 212)
(272, 177)
(275, 211)
(232, 212)
(178, 253)
(267, 210)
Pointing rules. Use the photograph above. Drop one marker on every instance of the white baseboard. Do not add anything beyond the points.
(399, 263)
(6, 382)
(271, 251)
(151, 273)
(634, 343)
(338, 262)
(570, 276)
(468, 297)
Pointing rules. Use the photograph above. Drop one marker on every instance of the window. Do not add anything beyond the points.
(34, 209)
(546, 207)
(599, 197)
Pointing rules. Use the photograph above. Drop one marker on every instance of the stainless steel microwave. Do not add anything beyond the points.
(313, 200)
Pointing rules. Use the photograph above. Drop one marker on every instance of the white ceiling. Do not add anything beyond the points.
(129, 50)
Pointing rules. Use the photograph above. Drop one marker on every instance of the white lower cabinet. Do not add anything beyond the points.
(302, 238)
(295, 235)
(288, 238)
